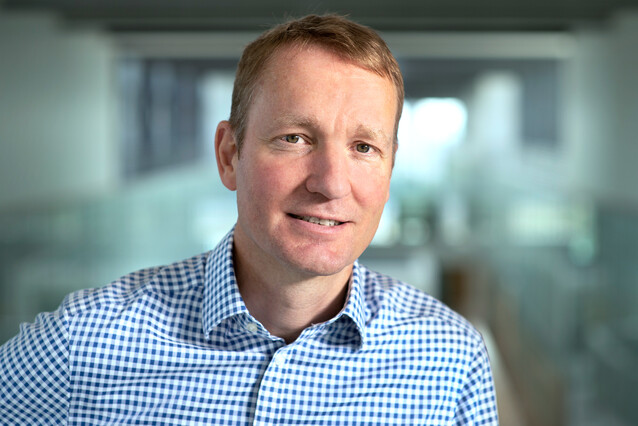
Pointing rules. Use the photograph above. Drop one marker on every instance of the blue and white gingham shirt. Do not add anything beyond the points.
(176, 345)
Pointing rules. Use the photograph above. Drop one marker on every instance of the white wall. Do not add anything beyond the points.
(56, 120)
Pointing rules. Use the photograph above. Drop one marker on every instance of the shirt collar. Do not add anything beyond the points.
(355, 307)
(222, 300)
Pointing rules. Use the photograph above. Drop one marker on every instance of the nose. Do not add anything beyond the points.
(329, 172)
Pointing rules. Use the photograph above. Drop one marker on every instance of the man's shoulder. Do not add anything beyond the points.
(168, 280)
(402, 305)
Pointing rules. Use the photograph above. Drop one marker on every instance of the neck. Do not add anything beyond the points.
(286, 304)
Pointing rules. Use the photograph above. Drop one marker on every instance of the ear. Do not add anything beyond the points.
(226, 154)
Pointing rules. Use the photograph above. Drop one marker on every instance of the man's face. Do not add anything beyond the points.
(314, 171)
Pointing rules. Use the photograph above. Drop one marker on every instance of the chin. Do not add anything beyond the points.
(321, 267)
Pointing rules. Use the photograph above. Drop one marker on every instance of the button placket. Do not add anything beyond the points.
(270, 397)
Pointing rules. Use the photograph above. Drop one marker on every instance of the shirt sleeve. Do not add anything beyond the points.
(477, 403)
(34, 375)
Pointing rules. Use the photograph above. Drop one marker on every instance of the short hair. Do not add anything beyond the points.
(346, 39)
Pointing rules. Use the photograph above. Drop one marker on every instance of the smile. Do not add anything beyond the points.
(316, 220)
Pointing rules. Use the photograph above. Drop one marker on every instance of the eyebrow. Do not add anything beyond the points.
(374, 134)
(292, 120)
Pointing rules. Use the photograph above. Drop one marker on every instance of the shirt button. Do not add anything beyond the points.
(252, 327)
(279, 361)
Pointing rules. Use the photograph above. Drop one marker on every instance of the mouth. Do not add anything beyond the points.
(316, 220)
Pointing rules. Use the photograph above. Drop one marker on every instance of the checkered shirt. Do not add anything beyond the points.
(176, 345)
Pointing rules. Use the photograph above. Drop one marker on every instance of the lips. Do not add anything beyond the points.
(316, 220)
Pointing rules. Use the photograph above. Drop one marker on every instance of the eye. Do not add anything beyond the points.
(292, 138)
(364, 148)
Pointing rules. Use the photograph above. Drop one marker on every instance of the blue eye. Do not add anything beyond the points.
(363, 148)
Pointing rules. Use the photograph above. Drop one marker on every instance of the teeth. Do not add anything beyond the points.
(316, 220)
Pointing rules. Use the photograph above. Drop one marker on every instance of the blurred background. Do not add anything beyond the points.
(513, 197)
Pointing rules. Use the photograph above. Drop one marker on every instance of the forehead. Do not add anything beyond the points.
(296, 53)
(313, 72)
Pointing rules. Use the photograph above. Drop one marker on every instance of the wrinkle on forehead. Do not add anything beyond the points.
(290, 53)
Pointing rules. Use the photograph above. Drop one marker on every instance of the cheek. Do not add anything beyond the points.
(374, 191)
(372, 204)
(263, 182)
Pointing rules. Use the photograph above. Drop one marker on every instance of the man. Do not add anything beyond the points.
(279, 324)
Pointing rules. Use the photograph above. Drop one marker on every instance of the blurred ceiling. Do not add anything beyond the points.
(384, 15)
